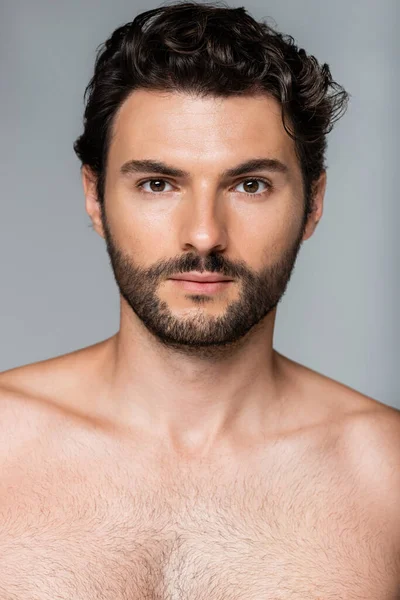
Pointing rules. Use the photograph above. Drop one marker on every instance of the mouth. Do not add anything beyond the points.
(206, 287)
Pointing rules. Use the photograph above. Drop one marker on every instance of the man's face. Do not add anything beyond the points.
(201, 221)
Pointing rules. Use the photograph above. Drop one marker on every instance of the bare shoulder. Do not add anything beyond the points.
(44, 375)
(369, 428)
(372, 440)
(372, 452)
(368, 445)
(28, 405)
(34, 396)
(330, 400)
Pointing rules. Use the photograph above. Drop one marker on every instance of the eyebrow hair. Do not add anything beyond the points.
(155, 166)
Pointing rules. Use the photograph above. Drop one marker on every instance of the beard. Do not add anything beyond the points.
(201, 334)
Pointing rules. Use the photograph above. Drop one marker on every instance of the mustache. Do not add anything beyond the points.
(213, 263)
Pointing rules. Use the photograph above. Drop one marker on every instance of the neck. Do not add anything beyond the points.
(192, 402)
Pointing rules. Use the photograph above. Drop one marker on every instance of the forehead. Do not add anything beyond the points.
(203, 131)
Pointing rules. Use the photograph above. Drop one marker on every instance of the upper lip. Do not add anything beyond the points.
(201, 277)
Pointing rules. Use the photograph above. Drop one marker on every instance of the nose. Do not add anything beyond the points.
(204, 223)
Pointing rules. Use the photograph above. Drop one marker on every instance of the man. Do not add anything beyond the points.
(184, 457)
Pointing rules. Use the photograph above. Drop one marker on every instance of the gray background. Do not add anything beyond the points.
(57, 290)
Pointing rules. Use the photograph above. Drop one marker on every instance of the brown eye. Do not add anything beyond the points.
(252, 186)
(156, 185)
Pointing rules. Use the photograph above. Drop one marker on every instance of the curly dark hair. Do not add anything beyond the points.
(211, 50)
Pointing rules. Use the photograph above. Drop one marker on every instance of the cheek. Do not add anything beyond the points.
(132, 220)
(147, 217)
(131, 237)
(269, 236)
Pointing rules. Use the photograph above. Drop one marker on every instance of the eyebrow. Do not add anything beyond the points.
(154, 166)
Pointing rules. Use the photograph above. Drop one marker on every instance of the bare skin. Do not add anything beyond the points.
(134, 469)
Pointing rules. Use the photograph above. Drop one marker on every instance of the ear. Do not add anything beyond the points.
(93, 209)
(317, 206)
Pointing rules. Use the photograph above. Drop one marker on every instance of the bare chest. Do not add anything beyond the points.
(287, 534)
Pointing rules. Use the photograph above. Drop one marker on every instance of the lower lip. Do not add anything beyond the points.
(205, 288)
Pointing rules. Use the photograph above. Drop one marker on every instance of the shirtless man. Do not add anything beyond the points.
(184, 458)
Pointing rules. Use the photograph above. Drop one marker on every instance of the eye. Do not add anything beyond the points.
(158, 186)
(255, 185)
(154, 182)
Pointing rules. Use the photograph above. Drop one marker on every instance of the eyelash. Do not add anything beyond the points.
(267, 183)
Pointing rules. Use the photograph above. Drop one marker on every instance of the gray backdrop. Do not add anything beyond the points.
(57, 290)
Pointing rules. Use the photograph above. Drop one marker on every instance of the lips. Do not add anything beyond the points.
(202, 287)
(200, 278)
